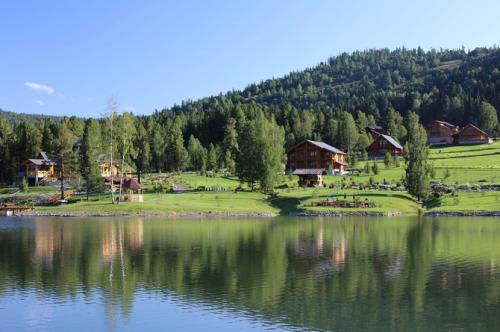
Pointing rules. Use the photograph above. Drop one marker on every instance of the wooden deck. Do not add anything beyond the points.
(13, 209)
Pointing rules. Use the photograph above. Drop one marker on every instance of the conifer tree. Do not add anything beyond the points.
(416, 159)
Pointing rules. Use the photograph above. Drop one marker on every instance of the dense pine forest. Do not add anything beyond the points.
(243, 131)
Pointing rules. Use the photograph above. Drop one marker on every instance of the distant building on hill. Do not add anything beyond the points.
(315, 155)
(383, 144)
(39, 170)
(471, 134)
(441, 132)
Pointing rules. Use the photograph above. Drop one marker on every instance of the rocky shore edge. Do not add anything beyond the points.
(462, 214)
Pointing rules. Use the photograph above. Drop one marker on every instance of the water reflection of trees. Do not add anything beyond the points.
(400, 274)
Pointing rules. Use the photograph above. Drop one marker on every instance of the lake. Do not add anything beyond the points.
(342, 274)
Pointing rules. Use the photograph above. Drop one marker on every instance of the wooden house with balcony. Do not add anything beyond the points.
(383, 144)
(471, 134)
(441, 132)
(39, 170)
(310, 154)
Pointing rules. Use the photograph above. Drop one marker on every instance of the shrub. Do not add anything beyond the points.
(375, 168)
(23, 185)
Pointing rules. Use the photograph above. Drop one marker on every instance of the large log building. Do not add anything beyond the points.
(38, 170)
(315, 155)
(471, 134)
(440, 132)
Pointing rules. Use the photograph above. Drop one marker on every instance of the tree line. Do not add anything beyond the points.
(332, 102)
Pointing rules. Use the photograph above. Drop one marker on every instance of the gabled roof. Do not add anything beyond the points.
(470, 125)
(443, 123)
(309, 171)
(41, 160)
(389, 139)
(320, 145)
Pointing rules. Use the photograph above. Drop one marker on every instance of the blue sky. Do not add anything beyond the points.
(69, 57)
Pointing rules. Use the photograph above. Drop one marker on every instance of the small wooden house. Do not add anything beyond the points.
(310, 177)
(471, 134)
(313, 154)
(383, 144)
(108, 169)
(39, 170)
(441, 132)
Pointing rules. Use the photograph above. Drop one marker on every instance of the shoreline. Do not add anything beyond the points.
(202, 214)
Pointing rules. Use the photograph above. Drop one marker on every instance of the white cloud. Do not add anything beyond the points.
(40, 87)
(40, 102)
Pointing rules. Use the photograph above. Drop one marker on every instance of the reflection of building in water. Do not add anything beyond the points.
(116, 237)
(319, 255)
(339, 250)
(50, 238)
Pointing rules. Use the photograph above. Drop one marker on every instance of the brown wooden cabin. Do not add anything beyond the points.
(441, 132)
(310, 177)
(39, 170)
(471, 134)
(313, 154)
(383, 144)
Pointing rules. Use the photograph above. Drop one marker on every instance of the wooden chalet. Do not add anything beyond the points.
(441, 132)
(39, 170)
(383, 144)
(471, 134)
(317, 155)
(310, 177)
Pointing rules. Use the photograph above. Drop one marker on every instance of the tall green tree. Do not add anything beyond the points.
(488, 120)
(230, 147)
(6, 142)
(67, 159)
(176, 156)
(262, 153)
(416, 159)
(197, 155)
(89, 152)
(212, 157)
(125, 133)
(347, 132)
(142, 157)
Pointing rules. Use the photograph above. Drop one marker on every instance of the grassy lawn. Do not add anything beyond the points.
(385, 201)
(469, 201)
(463, 164)
(190, 201)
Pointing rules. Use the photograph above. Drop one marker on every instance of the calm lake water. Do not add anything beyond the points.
(403, 274)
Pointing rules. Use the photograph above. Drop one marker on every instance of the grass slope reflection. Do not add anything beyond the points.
(326, 274)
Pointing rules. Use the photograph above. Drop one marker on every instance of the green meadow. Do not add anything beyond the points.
(461, 165)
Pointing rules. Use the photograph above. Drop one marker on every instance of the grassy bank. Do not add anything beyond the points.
(479, 164)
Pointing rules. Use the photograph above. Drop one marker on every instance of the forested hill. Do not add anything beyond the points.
(14, 118)
(447, 84)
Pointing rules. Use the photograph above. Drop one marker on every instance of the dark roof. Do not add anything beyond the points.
(132, 184)
(321, 145)
(470, 125)
(389, 139)
(392, 141)
(309, 171)
(444, 123)
(43, 159)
